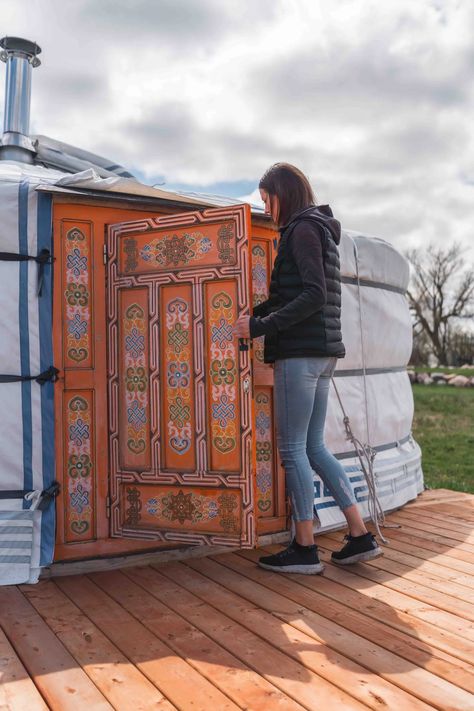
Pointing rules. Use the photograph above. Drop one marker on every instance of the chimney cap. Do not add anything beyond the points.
(21, 46)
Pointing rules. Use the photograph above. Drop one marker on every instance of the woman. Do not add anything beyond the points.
(301, 324)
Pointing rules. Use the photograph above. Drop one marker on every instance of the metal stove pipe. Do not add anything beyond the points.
(20, 56)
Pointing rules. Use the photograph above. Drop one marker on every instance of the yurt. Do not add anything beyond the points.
(134, 422)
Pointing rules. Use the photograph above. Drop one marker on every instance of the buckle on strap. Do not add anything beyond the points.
(47, 375)
(47, 495)
(43, 258)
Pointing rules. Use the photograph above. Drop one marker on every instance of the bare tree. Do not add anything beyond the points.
(441, 289)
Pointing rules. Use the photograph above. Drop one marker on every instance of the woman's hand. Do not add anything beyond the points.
(242, 327)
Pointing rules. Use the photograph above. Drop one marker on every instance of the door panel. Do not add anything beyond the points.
(270, 503)
(180, 392)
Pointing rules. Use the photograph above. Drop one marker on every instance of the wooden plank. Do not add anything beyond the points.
(410, 566)
(410, 648)
(17, 691)
(427, 550)
(431, 496)
(172, 675)
(392, 667)
(115, 562)
(428, 527)
(460, 550)
(224, 670)
(456, 532)
(311, 651)
(291, 677)
(56, 674)
(394, 577)
(119, 680)
(459, 511)
(442, 629)
(444, 518)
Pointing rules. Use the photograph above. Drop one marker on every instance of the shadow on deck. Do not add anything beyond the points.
(220, 633)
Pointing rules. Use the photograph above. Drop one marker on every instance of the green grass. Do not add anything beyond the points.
(444, 428)
(468, 372)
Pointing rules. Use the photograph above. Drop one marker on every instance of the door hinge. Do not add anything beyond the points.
(108, 506)
(104, 253)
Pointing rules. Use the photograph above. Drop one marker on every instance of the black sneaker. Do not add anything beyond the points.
(357, 549)
(294, 559)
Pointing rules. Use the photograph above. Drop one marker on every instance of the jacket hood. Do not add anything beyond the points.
(318, 213)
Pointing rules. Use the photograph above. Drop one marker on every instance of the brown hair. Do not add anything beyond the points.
(291, 187)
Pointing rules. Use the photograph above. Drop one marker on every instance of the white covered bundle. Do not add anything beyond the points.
(27, 433)
(372, 379)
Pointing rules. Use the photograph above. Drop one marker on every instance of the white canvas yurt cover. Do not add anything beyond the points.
(371, 384)
(27, 525)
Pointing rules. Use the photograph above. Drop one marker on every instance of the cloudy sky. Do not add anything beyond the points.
(373, 100)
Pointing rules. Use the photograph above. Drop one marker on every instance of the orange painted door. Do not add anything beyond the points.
(180, 390)
(270, 502)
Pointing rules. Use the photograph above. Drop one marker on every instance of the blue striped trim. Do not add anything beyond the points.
(25, 339)
(399, 485)
(15, 559)
(48, 518)
(14, 529)
(16, 515)
(14, 544)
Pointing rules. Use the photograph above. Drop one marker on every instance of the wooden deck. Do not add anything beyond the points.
(219, 633)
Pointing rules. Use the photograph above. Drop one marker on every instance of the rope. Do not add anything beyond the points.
(366, 455)
(365, 452)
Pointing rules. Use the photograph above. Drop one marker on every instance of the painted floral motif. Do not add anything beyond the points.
(178, 375)
(79, 466)
(259, 291)
(225, 236)
(264, 447)
(178, 357)
(77, 297)
(175, 250)
(223, 373)
(192, 508)
(135, 377)
(77, 294)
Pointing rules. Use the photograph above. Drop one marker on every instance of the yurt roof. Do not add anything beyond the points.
(89, 182)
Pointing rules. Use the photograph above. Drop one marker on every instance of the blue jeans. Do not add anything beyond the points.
(301, 397)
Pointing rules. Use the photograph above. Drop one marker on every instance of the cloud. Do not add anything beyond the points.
(373, 101)
(183, 27)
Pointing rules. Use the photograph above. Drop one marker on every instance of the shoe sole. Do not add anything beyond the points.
(301, 569)
(359, 557)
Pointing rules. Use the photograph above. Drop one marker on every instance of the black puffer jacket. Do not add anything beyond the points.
(302, 316)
